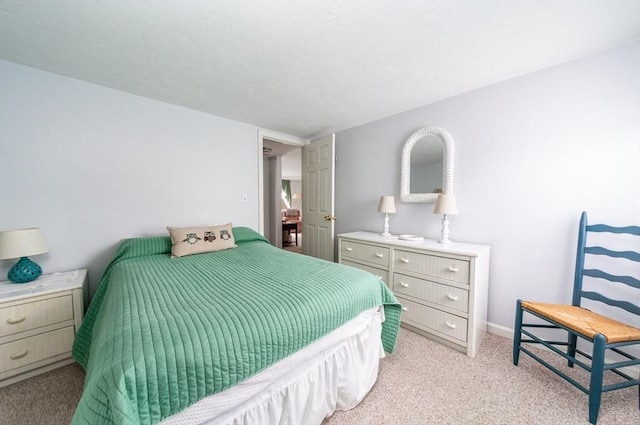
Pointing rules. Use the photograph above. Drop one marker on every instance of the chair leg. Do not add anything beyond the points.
(517, 335)
(571, 348)
(597, 371)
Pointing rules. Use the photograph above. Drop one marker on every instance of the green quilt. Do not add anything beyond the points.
(162, 333)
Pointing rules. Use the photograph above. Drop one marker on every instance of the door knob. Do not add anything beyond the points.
(330, 217)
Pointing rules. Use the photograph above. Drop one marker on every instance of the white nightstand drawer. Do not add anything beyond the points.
(23, 317)
(369, 253)
(437, 293)
(428, 318)
(36, 348)
(38, 322)
(382, 274)
(432, 265)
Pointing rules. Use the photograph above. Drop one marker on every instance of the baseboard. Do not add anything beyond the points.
(500, 330)
(505, 332)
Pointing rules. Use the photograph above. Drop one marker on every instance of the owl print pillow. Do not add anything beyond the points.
(196, 240)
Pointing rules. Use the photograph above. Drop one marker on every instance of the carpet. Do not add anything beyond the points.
(423, 382)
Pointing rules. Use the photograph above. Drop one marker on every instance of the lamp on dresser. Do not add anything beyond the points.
(21, 243)
(387, 205)
(445, 205)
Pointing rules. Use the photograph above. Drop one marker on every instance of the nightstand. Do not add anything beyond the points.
(38, 322)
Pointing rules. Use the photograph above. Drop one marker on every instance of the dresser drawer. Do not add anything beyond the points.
(442, 287)
(36, 348)
(369, 253)
(24, 317)
(431, 265)
(437, 293)
(382, 274)
(431, 319)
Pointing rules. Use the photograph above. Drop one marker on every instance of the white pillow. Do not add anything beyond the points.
(196, 240)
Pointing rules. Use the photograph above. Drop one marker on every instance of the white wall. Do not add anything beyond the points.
(273, 194)
(296, 187)
(531, 153)
(292, 165)
(91, 166)
(266, 205)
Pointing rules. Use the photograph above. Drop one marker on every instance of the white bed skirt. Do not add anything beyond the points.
(334, 373)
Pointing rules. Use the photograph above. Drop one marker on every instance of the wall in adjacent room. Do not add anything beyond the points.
(531, 154)
(91, 166)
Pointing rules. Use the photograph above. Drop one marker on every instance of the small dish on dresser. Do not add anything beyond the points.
(411, 238)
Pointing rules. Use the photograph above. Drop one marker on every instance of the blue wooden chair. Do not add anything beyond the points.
(608, 340)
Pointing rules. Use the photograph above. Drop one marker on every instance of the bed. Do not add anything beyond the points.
(252, 334)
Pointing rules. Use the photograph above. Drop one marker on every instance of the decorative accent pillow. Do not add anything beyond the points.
(196, 240)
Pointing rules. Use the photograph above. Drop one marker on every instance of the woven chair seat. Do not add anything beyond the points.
(585, 322)
(612, 341)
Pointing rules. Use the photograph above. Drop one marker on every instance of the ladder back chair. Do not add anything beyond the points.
(609, 341)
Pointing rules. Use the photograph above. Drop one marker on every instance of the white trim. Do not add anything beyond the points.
(280, 138)
(500, 330)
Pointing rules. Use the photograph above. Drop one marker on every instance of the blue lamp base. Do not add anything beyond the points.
(24, 271)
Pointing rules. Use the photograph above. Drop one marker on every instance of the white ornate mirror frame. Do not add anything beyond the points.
(405, 169)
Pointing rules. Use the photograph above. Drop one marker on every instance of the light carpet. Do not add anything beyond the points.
(423, 382)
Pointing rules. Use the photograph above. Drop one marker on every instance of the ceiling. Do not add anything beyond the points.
(307, 68)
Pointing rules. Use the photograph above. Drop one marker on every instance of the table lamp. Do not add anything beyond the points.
(387, 205)
(445, 205)
(21, 243)
(296, 197)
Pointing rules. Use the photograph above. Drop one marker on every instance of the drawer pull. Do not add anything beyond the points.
(451, 325)
(379, 255)
(348, 249)
(405, 260)
(19, 354)
(453, 269)
(404, 308)
(16, 320)
(404, 285)
(452, 297)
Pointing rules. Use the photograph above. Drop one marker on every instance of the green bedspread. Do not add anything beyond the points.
(162, 333)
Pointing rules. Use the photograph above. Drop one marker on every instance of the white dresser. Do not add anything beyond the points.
(443, 288)
(38, 322)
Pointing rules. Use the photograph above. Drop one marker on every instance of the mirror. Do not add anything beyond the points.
(427, 165)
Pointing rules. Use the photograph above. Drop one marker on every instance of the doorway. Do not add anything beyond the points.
(281, 216)
(317, 161)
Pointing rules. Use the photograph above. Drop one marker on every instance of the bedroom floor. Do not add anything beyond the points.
(420, 383)
(292, 246)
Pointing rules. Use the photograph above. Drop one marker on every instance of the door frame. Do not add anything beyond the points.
(280, 138)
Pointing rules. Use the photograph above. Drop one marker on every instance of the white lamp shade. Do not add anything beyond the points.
(446, 204)
(387, 205)
(22, 243)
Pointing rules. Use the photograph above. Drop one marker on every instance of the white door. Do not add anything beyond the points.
(318, 175)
